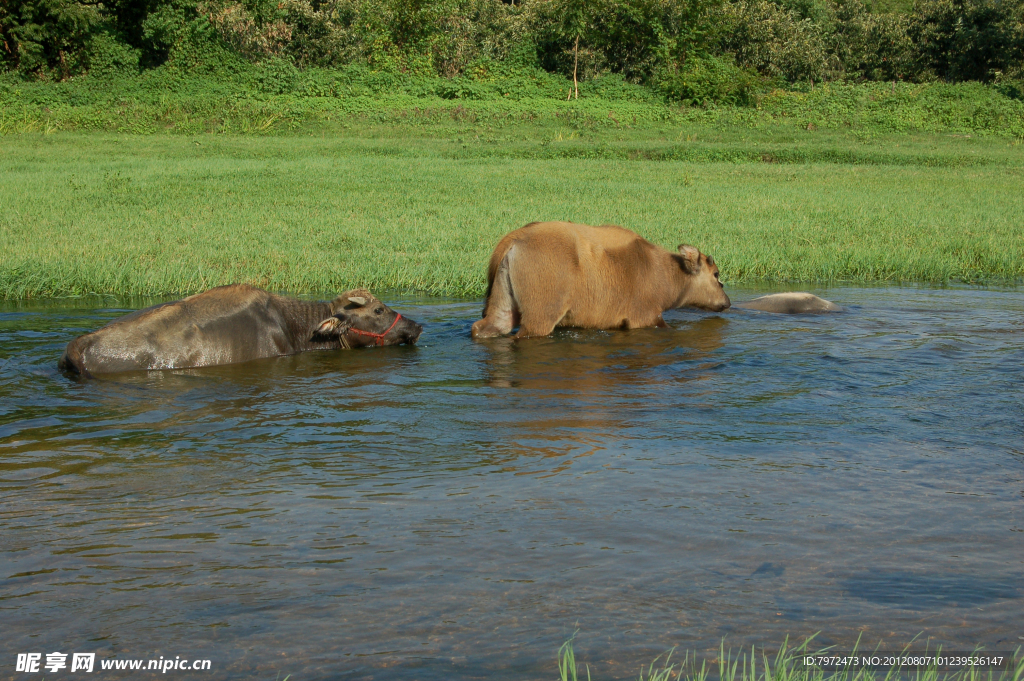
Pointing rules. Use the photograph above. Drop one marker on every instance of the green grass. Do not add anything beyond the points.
(419, 206)
(787, 665)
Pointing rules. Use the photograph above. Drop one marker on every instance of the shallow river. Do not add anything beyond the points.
(458, 509)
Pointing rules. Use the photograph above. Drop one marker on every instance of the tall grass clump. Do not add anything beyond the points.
(567, 666)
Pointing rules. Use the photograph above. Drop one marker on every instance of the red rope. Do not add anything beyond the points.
(378, 336)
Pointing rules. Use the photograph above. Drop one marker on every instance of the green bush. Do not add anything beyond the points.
(778, 43)
(873, 46)
(277, 76)
(108, 56)
(1014, 89)
(706, 80)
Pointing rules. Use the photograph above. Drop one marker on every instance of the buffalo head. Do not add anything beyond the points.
(705, 289)
(360, 319)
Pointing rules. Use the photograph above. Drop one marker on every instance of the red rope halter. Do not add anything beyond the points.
(378, 336)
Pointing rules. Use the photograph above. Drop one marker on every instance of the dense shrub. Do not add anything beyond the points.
(778, 42)
(874, 46)
(704, 80)
(635, 38)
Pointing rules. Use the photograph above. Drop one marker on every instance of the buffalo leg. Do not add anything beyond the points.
(501, 315)
(540, 324)
(544, 312)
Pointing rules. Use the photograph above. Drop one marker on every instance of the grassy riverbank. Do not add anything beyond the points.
(419, 206)
(326, 101)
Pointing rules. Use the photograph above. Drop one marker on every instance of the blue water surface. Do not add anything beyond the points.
(456, 510)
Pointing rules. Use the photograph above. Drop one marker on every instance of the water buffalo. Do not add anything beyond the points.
(231, 324)
(550, 274)
(790, 303)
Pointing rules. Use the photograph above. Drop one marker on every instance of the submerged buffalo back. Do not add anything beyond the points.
(224, 325)
(793, 302)
(232, 324)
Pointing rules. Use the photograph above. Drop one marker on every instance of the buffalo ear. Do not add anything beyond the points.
(331, 327)
(689, 258)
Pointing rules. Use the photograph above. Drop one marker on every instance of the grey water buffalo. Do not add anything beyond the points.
(232, 324)
(790, 303)
(551, 274)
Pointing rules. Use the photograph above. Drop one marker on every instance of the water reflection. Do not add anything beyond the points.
(452, 510)
(580, 387)
(590, 364)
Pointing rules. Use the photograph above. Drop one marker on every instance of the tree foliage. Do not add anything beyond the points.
(689, 50)
(970, 39)
(47, 35)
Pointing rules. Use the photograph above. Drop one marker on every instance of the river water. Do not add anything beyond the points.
(458, 509)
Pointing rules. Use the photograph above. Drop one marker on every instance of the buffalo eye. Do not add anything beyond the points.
(379, 310)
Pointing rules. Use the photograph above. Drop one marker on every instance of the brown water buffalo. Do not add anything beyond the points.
(550, 274)
(790, 303)
(235, 323)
